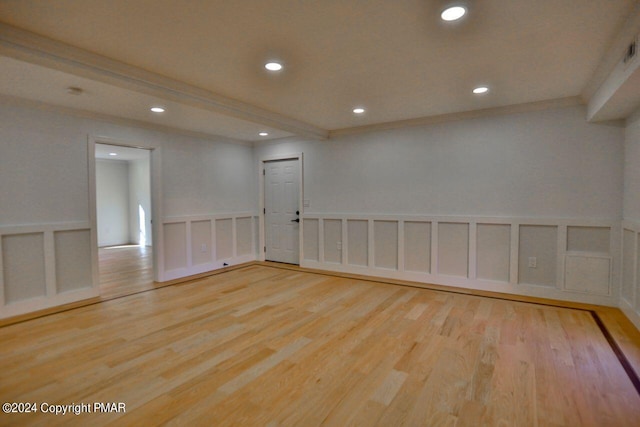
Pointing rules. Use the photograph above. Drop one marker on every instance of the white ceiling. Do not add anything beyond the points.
(395, 58)
(38, 83)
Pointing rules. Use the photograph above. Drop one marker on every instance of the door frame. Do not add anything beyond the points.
(261, 217)
(156, 203)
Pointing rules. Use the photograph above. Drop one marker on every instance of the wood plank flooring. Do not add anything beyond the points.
(125, 270)
(265, 346)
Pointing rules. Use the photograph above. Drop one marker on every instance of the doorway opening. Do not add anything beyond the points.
(123, 219)
(282, 209)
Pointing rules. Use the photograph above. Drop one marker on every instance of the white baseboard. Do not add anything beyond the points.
(179, 273)
(42, 303)
(466, 283)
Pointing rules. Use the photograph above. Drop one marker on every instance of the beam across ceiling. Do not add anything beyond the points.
(614, 53)
(27, 46)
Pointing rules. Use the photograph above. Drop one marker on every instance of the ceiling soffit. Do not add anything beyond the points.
(30, 47)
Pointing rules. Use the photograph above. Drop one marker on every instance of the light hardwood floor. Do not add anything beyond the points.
(125, 270)
(263, 345)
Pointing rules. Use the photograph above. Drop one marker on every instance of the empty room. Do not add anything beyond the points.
(304, 213)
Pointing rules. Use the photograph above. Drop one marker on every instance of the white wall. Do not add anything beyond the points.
(207, 177)
(122, 188)
(445, 182)
(112, 202)
(542, 164)
(536, 176)
(632, 169)
(630, 295)
(44, 196)
(43, 166)
(140, 199)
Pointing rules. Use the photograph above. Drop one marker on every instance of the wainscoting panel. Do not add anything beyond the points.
(453, 249)
(493, 245)
(385, 244)
(244, 236)
(589, 239)
(417, 246)
(538, 261)
(201, 252)
(175, 246)
(588, 260)
(630, 292)
(310, 237)
(224, 239)
(44, 265)
(24, 267)
(589, 274)
(628, 265)
(72, 259)
(197, 244)
(485, 253)
(332, 241)
(358, 248)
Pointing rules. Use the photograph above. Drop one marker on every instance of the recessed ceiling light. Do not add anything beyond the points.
(113, 154)
(358, 110)
(453, 13)
(263, 134)
(157, 109)
(480, 90)
(273, 66)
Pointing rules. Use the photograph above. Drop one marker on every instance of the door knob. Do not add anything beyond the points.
(295, 220)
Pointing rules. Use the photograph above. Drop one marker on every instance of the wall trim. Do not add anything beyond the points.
(425, 280)
(155, 170)
(44, 228)
(42, 303)
(51, 296)
(631, 309)
(214, 262)
(204, 217)
(606, 293)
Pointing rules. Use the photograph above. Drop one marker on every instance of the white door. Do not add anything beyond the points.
(282, 219)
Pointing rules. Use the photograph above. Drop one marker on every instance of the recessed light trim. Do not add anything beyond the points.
(158, 109)
(273, 66)
(264, 134)
(453, 13)
(113, 154)
(480, 90)
(358, 110)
